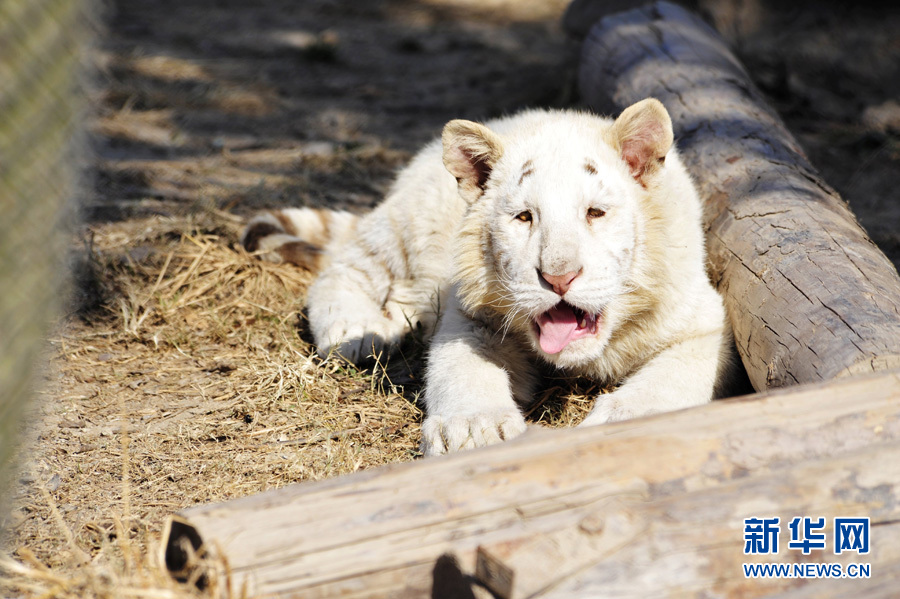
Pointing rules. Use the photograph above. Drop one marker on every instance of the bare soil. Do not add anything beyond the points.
(182, 372)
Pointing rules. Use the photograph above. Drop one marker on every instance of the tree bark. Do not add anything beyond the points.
(639, 509)
(809, 295)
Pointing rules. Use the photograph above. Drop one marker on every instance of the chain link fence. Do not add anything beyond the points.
(41, 149)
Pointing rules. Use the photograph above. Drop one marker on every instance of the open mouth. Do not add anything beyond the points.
(562, 324)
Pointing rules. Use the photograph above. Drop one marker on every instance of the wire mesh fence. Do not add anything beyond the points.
(41, 146)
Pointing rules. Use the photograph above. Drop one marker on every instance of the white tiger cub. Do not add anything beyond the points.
(555, 235)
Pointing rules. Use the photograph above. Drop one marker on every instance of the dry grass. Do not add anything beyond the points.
(191, 381)
(121, 568)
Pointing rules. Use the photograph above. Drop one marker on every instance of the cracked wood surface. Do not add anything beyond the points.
(809, 295)
(645, 508)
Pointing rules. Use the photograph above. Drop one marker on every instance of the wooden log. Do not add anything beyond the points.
(640, 508)
(809, 295)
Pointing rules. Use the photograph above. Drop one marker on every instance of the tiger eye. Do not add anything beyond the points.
(524, 216)
(593, 213)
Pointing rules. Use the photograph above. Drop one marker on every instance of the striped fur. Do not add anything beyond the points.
(299, 236)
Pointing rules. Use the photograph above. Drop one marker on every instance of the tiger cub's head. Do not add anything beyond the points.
(560, 206)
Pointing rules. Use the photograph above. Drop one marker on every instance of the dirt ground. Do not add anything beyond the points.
(182, 372)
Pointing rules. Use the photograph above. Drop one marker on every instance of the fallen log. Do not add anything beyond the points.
(809, 295)
(641, 508)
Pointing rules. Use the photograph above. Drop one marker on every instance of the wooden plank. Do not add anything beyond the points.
(809, 295)
(693, 542)
(616, 488)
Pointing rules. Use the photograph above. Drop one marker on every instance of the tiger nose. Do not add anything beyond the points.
(561, 283)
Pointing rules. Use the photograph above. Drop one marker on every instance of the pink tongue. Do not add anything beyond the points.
(557, 328)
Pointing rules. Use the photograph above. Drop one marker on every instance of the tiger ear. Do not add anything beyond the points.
(470, 153)
(643, 135)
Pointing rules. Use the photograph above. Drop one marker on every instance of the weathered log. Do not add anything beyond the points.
(641, 508)
(809, 295)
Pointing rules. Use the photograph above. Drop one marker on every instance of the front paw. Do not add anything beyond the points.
(358, 343)
(444, 434)
(358, 347)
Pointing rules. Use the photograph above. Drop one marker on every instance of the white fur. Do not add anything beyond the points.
(436, 244)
